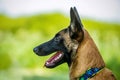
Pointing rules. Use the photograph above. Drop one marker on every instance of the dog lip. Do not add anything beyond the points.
(54, 59)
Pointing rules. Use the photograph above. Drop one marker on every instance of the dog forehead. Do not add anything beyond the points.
(64, 31)
(65, 34)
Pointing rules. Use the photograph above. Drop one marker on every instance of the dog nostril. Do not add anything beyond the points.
(35, 50)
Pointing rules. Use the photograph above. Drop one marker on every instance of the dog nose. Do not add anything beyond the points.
(35, 50)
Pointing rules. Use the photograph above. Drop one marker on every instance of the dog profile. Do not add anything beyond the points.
(75, 46)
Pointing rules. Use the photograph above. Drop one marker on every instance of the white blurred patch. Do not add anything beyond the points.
(97, 9)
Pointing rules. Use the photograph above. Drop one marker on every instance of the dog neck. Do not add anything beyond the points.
(87, 56)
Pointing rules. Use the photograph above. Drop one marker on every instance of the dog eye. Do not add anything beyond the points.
(57, 39)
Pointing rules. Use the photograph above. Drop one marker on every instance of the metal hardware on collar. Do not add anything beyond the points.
(90, 73)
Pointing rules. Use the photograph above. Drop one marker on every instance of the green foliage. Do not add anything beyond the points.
(5, 61)
(18, 36)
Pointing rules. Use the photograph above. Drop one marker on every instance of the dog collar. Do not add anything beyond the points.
(90, 73)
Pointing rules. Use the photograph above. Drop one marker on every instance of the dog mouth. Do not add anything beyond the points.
(54, 60)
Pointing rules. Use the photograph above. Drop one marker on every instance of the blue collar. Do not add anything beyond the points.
(90, 73)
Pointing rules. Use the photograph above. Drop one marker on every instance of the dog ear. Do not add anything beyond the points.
(75, 25)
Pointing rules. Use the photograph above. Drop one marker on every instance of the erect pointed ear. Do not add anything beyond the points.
(75, 25)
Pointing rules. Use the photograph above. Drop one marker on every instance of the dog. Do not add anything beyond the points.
(75, 46)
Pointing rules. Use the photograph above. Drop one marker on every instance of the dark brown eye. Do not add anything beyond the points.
(57, 39)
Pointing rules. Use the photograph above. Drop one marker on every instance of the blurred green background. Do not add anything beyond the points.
(18, 37)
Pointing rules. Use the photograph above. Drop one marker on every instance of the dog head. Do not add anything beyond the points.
(65, 42)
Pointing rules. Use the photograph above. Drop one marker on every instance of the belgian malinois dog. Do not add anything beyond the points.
(75, 46)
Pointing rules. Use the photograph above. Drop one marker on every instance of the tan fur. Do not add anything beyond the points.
(88, 56)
